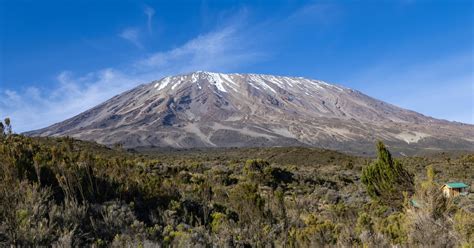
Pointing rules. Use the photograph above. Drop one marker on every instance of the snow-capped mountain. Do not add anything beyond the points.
(205, 109)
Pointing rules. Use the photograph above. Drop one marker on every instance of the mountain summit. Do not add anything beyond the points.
(205, 109)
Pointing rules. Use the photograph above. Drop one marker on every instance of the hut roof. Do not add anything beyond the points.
(456, 185)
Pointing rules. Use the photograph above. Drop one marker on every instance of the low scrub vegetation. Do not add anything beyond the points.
(63, 192)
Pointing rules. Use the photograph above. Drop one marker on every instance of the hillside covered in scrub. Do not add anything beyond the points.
(64, 192)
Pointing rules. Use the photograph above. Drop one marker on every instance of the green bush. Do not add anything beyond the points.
(386, 179)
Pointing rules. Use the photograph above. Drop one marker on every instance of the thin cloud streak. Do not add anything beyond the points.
(149, 12)
(132, 35)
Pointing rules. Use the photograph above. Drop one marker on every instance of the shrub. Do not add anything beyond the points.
(255, 165)
(386, 179)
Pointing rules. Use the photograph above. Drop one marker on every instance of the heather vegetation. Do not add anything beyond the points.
(64, 192)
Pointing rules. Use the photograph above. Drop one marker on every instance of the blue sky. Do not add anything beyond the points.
(59, 58)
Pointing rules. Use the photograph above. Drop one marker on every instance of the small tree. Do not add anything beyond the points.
(386, 179)
(8, 127)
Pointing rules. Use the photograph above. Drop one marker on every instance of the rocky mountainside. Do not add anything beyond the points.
(205, 109)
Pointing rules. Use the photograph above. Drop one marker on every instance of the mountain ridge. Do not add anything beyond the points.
(207, 109)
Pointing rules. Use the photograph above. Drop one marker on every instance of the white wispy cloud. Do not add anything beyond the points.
(149, 12)
(132, 35)
(35, 108)
(321, 12)
(223, 49)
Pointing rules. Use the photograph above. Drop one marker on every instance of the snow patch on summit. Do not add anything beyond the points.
(233, 82)
(163, 83)
(216, 79)
(261, 82)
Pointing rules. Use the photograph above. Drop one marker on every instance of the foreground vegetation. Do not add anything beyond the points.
(64, 192)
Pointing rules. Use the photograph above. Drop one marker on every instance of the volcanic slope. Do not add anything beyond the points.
(205, 109)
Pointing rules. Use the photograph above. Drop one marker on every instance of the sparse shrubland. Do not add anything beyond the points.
(64, 192)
